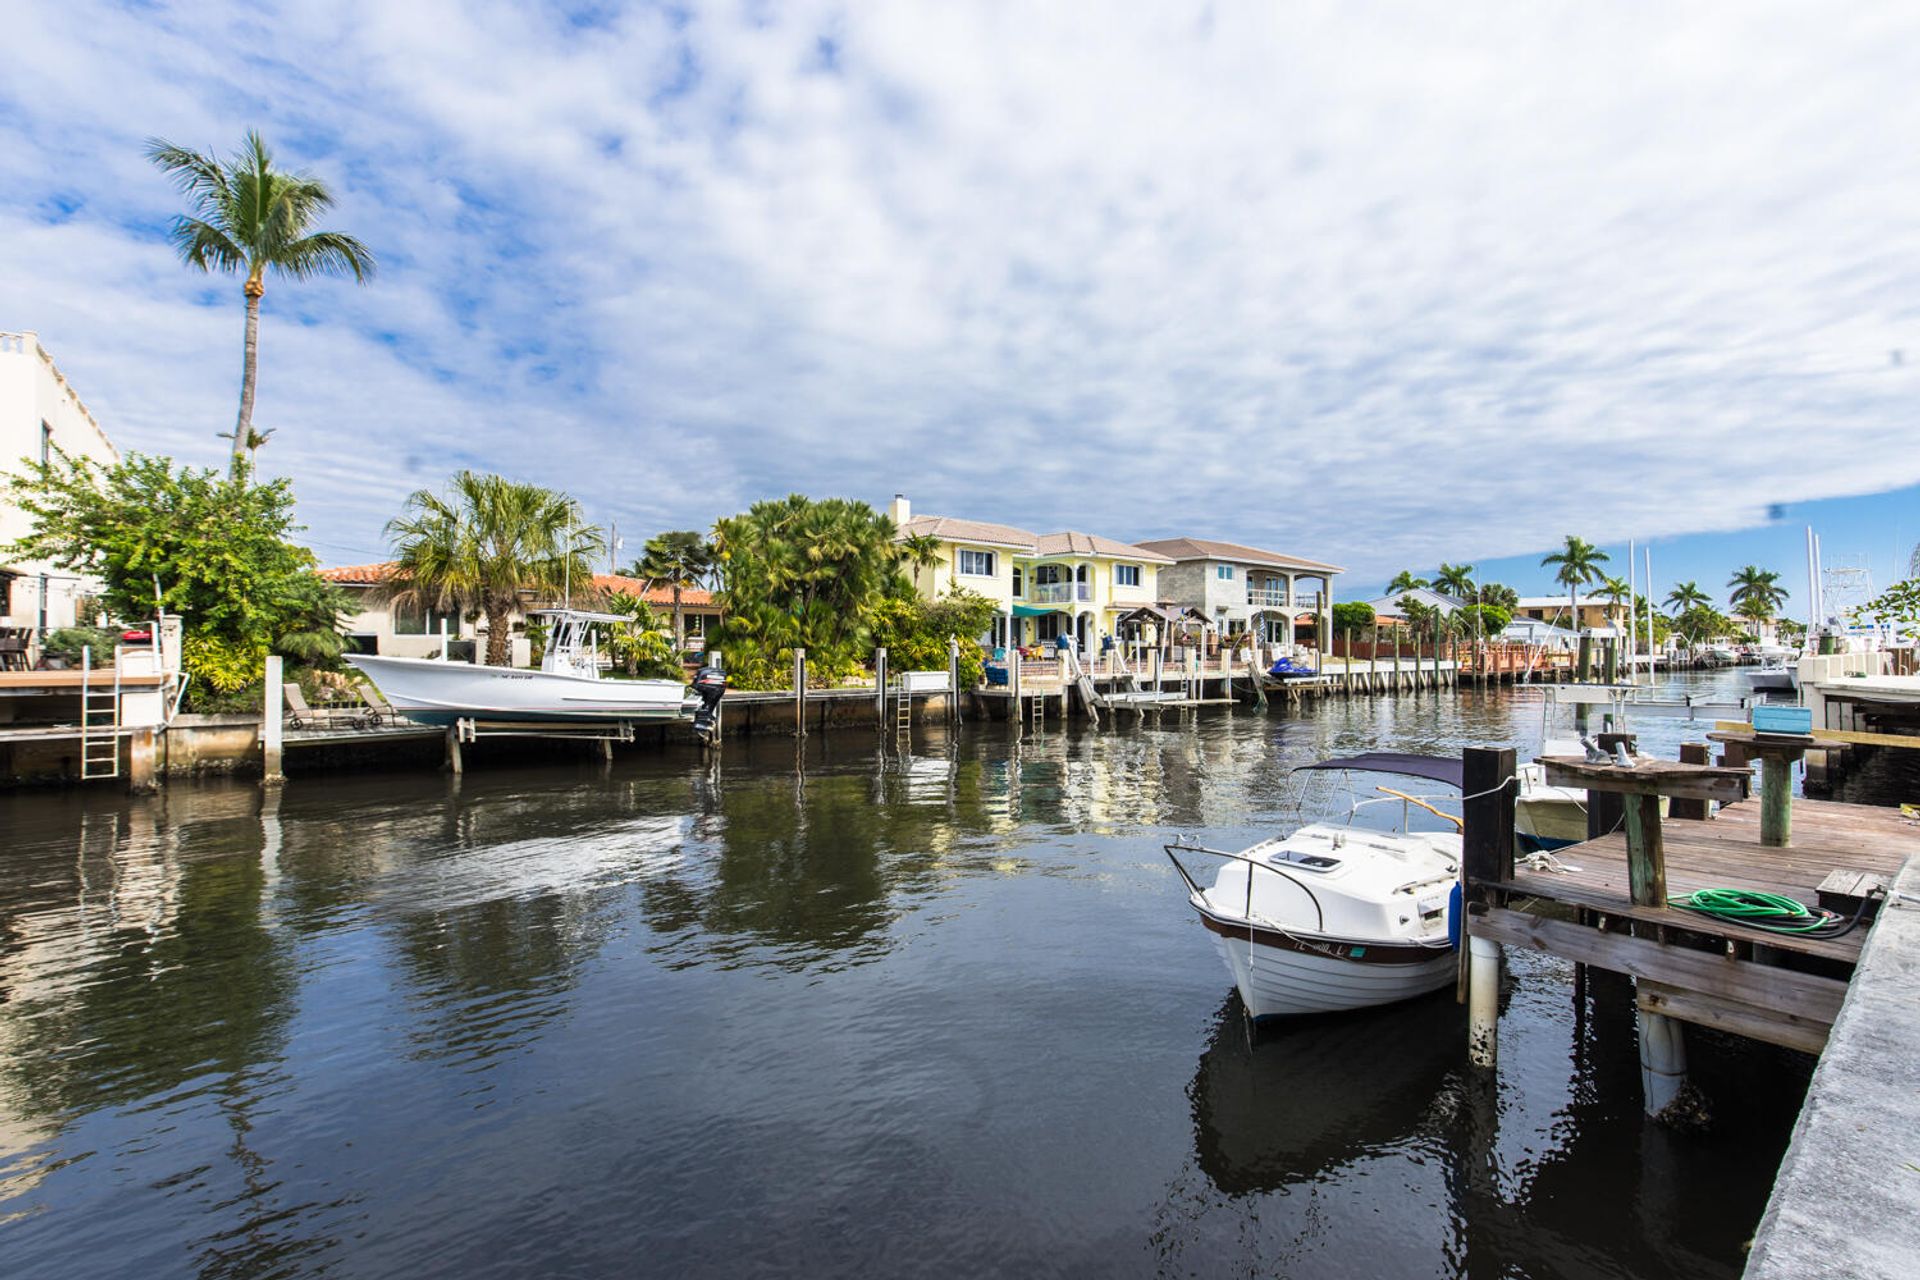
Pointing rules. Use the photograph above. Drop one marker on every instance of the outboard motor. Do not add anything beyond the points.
(711, 684)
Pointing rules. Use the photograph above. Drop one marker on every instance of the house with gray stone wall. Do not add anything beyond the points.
(1281, 599)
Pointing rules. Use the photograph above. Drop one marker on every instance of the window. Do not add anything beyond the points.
(423, 622)
(1083, 578)
(1126, 575)
(1046, 628)
(1019, 581)
(977, 564)
(46, 443)
(1223, 572)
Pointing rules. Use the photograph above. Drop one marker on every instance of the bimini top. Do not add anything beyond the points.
(1446, 769)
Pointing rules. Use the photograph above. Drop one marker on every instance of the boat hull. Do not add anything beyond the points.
(440, 693)
(1770, 680)
(1287, 974)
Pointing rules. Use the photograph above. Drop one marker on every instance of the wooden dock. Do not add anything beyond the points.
(1780, 988)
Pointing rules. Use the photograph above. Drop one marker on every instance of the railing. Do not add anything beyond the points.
(1050, 592)
(1275, 596)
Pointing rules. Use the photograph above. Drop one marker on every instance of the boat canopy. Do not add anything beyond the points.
(582, 614)
(1445, 769)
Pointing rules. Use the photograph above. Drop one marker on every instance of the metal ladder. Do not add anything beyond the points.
(902, 711)
(1037, 711)
(99, 721)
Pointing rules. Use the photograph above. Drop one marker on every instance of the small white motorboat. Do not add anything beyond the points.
(1773, 677)
(1336, 916)
(567, 689)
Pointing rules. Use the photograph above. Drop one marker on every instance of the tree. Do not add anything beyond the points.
(1455, 579)
(1686, 596)
(247, 216)
(802, 574)
(1485, 619)
(919, 551)
(1757, 593)
(1615, 591)
(1500, 595)
(213, 550)
(483, 543)
(1898, 604)
(640, 644)
(1351, 617)
(1405, 581)
(676, 560)
(916, 631)
(1578, 563)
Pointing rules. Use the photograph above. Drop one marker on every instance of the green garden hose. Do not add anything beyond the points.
(1773, 912)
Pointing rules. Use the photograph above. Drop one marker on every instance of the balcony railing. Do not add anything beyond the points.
(1050, 592)
(1273, 596)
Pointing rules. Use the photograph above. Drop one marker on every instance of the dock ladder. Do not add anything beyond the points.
(99, 721)
(1037, 711)
(903, 711)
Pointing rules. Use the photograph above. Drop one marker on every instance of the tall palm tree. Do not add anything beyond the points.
(247, 216)
(1757, 593)
(1406, 581)
(1455, 579)
(1615, 591)
(477, 547)
(678, 559)
(1578, 563)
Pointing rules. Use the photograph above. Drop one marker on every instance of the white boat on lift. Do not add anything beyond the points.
(567, 689)
(1336, 916)
(1772, 677)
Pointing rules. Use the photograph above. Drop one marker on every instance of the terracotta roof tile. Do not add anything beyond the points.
(950, 529)
(1212, 549)
(692, 597)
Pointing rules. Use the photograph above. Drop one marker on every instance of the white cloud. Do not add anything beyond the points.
(1381, 285)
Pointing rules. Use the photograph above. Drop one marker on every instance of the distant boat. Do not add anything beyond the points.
(1335, 916)
(568, 687)
(1773, 676)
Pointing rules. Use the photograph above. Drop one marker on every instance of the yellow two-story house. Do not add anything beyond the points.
(1045, 585)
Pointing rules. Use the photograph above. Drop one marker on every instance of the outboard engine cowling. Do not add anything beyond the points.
(710, 683)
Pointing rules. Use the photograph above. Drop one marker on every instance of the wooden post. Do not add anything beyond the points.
(141, 749)
(272, 720)
(1646, 851)
(1486, 840)
(880, 686)
(1013, 681)
(1584, 664)
(1776, 800)
(1486, 857)
(800, 693)
(1606, 810)
(1692, 753)
(953, 679)
(455, 764)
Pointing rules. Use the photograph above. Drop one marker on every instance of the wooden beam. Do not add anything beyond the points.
(1803, 995)
(1753, 1021)
(1486, 842)
(1649, 778)
(1831, 737)
(1692, 753)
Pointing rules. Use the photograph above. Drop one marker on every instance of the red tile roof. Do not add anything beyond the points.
(691, 598)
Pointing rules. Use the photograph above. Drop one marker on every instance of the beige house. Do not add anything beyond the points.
(380, 628)
(1277, 597)
(1593, 612)
(40, 413)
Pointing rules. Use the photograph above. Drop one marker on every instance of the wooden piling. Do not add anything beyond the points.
(1486, 859)
(273, 720)
(800, 693)
(1692, 753)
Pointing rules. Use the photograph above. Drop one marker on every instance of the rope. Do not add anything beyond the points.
(1773, 912)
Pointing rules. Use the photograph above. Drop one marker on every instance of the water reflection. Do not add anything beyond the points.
(1290, 1104)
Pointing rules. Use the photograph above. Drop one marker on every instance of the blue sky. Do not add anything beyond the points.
(1383, 285)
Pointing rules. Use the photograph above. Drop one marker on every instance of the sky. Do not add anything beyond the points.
(1378, 285)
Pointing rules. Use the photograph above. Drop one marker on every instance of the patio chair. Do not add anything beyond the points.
(302, 716)
(379, 710)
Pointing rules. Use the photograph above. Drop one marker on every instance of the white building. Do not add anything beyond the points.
(39, 413)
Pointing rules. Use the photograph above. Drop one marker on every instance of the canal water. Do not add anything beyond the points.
(821, 1009)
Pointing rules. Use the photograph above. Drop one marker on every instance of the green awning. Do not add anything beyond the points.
(1032, 611)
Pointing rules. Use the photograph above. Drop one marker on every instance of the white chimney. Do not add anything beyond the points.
(900, 510)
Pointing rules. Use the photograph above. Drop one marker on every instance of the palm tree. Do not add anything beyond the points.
(677, 559)
(247, 216)
(1757, 593)
(1615, 591)
(919, 551)
(1579, 563)
(1455, 579)
(1685, 597)
(1406, 581)
(478, 547)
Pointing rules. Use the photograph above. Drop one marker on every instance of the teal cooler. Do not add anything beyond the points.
(1796, 721)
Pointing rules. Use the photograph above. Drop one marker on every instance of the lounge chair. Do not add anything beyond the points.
(379, 710)
(302, 716)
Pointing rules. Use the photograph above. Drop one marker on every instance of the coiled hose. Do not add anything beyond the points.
(1776, 913)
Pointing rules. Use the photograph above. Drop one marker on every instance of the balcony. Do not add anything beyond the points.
(1049, 592)
(1268, 597)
